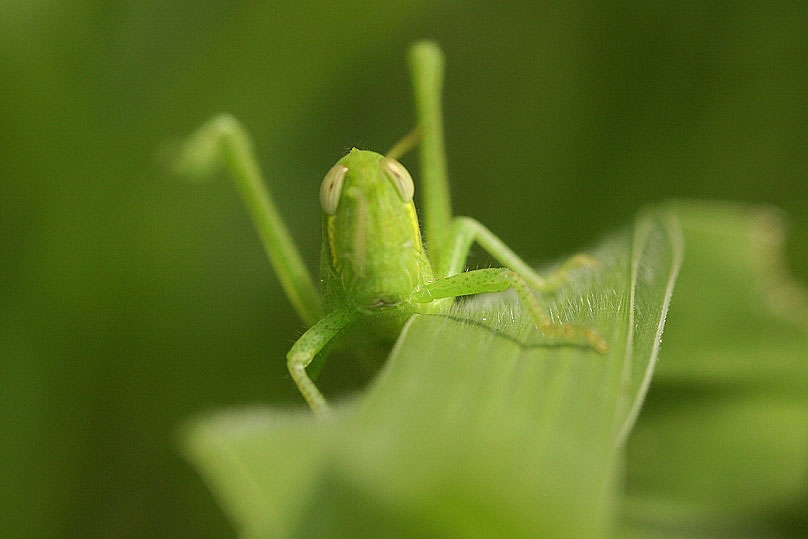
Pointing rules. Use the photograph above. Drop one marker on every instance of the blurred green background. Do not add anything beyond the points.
(131, 301)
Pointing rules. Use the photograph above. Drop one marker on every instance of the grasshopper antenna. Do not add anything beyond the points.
(405, 144)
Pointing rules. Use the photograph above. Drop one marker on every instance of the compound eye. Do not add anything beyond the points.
(331, 188)
(400, 177)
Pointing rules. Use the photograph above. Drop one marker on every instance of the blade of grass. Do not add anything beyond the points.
(477, 424)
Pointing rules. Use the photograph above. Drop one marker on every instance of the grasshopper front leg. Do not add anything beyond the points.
(304, 351)
(498, 280)
(465, 231)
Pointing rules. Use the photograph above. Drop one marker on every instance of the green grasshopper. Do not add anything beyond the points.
(375, 270)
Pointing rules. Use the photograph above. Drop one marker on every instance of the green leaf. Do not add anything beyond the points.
(721, 449)
(477, 425)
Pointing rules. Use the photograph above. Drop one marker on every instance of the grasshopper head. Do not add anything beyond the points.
(371, 229)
